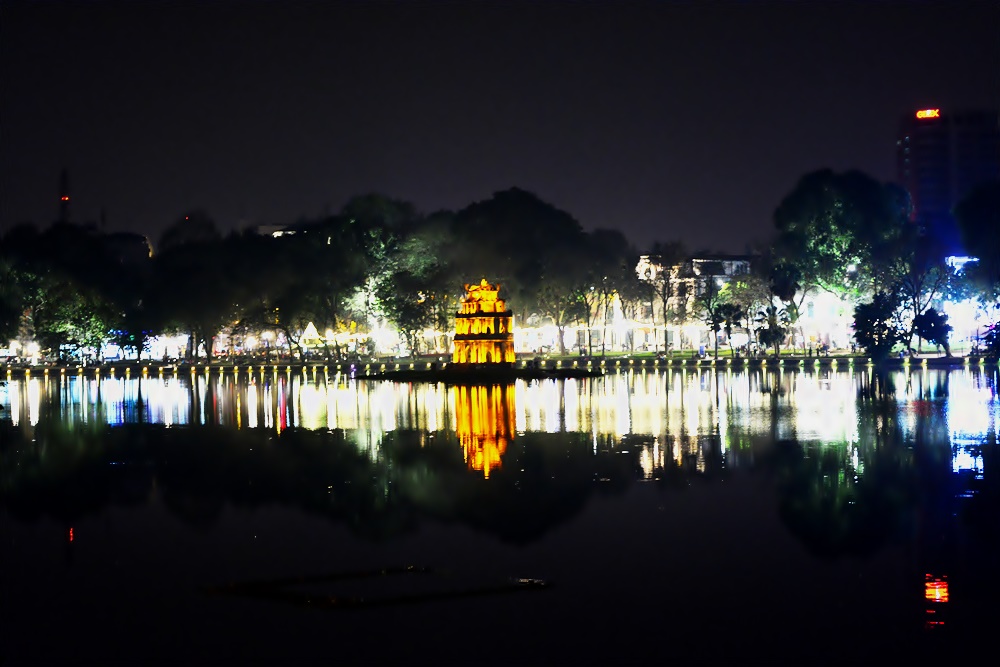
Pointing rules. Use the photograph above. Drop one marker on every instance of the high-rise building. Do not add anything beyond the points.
(940, 158)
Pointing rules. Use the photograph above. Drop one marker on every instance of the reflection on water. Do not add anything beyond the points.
(852, 464)
(672, 418)
(851, 449)
(485, 424)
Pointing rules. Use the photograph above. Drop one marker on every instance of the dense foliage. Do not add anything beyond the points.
(72, 287)
(380, 263)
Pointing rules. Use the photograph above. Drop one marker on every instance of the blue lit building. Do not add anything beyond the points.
(940, 157)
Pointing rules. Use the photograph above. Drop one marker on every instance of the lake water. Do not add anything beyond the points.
(282, 518)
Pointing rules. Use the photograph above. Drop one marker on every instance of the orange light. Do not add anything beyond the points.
(485, 316)
(929, 113)
(935, 588)
(64, 198)
(485, 425)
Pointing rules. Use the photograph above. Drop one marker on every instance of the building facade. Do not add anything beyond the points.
(674, 314)
(484, 327)
(940, 157)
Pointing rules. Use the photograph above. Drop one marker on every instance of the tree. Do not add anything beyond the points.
(840, 231)
(772, 327)
(58, 283)
(991, 340)
(919, 282)
(380, 253)
(193, 227)
(406, 306)
(423, 254)
(933, 326)
(609, 257)
(711, 302)
(379, 224)
(787, 283)
(327, 263)
(16, 271)
(376, 209)
(509, 238)
(422, 292)
(11, 301)
(751, 292)
(632, 295)
(877, 326)
(732, 315)
(68, 317)
(665, 262)
(193, 290)
(564, 279)
(440, 290)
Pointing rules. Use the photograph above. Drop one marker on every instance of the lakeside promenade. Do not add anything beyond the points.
(435, 369)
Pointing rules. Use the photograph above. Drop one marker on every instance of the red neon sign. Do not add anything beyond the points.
(929, 113)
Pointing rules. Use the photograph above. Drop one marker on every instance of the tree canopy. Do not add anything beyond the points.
(841, 231)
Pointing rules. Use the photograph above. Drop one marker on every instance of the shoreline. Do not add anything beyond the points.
(438, 371)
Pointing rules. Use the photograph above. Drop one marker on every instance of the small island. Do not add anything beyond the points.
(484, 347)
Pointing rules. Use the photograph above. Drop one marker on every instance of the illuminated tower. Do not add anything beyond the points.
(940, 157)
(64, 196)
(484, 328)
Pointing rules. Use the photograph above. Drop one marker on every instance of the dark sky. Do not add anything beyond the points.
(667, 120)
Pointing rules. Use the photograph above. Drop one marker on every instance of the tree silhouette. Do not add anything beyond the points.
(772, 327)
(841, 231)
(933, 327)
(877, 327)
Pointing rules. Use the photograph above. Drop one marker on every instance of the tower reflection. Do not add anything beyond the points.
(484, 422)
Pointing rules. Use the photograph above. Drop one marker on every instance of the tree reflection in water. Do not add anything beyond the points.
(70, 473)
(868, 470)
(850, 498)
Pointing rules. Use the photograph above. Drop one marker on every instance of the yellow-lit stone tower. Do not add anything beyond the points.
(484, 328)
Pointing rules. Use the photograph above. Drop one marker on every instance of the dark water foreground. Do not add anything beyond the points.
(811, 518)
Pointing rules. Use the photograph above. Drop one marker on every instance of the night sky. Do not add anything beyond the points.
(666, 120)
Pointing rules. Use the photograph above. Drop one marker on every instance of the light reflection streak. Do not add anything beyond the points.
(520, 401)
(267, 407)
(484, 423)
(825, 407)
(681, 413)
(34, 399)
(252, 405)
(312, 406)
(571, 405)
(972, 409)
(13, 406)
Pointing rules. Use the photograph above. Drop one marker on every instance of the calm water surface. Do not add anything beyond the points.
(822, 516)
